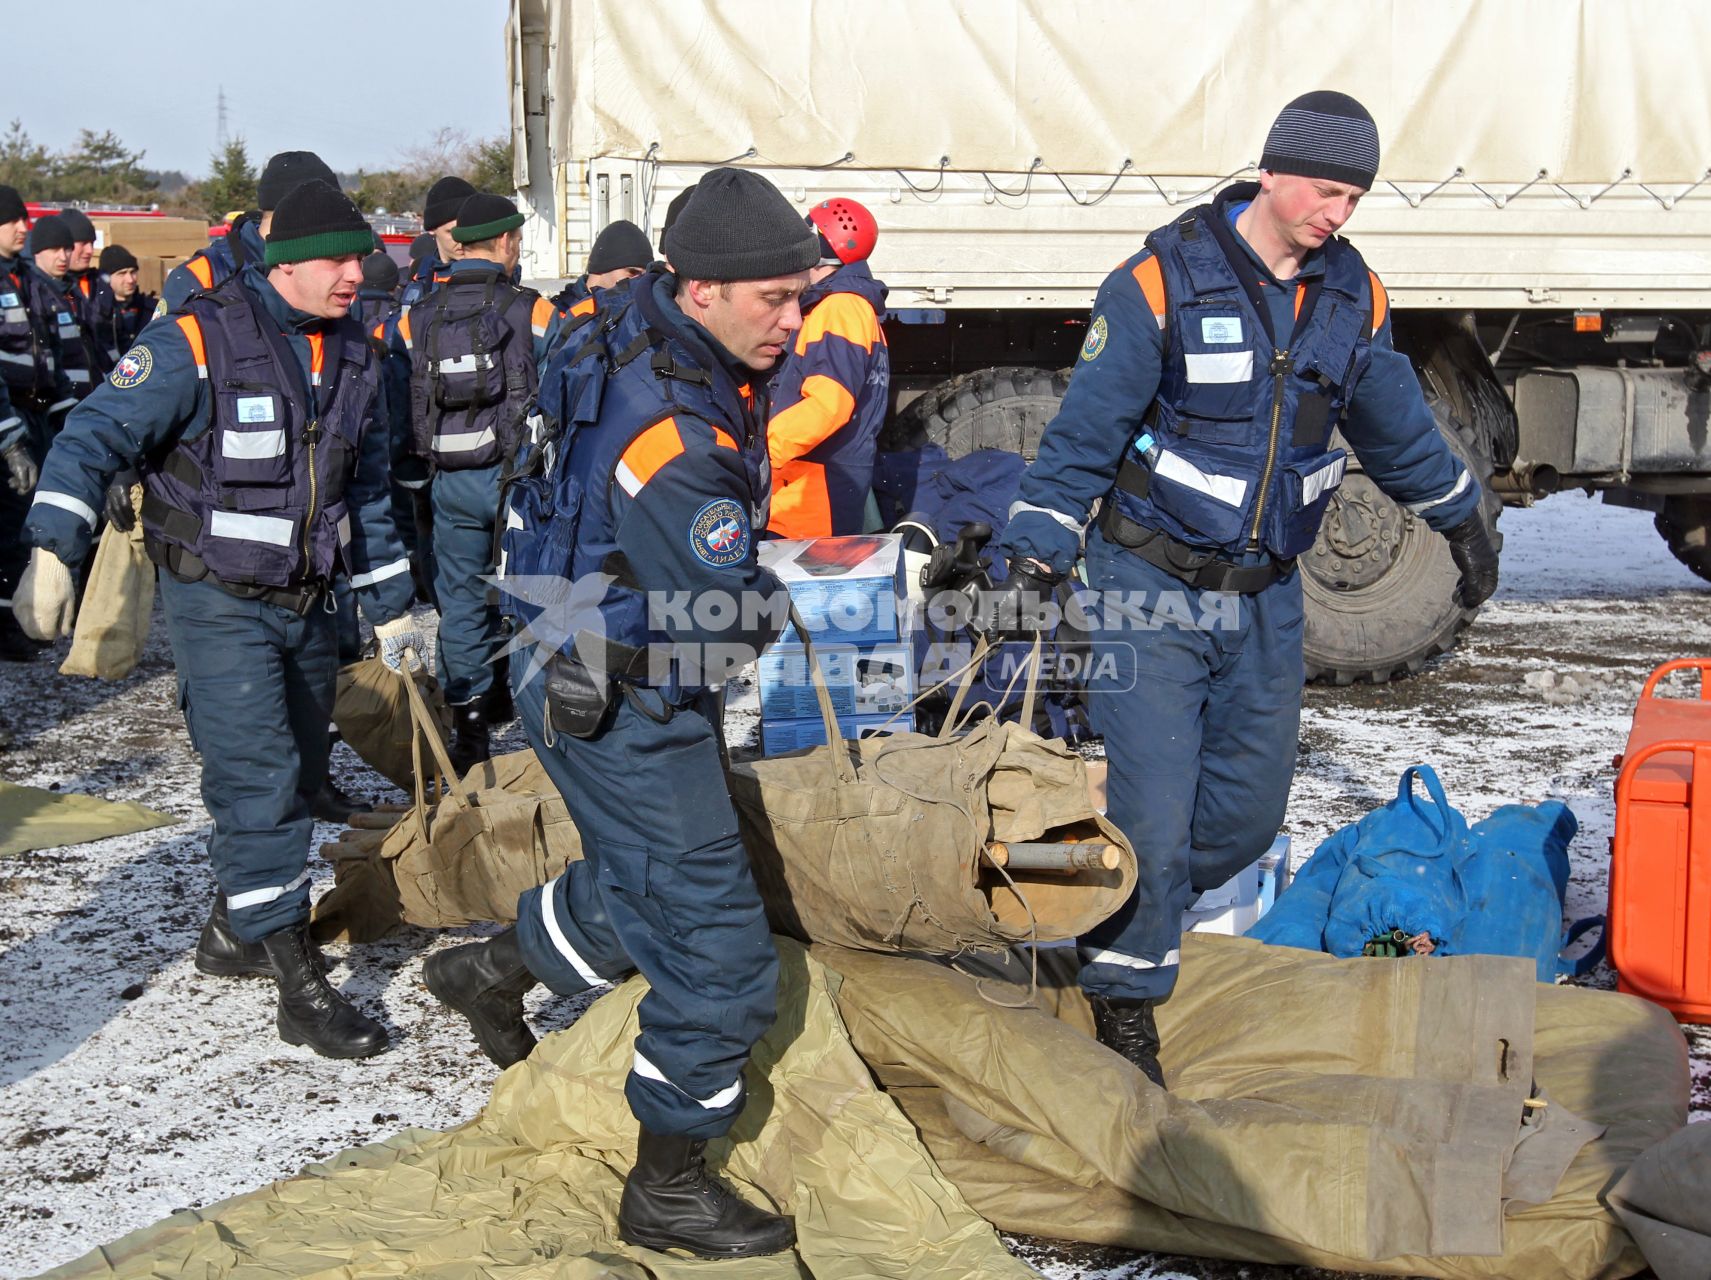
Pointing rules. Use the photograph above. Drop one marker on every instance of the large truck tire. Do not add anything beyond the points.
(1005, 408)
(1685, 523)
(1379, 583)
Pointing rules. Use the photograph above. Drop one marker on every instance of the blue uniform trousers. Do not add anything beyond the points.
(14, 555)
(664, 888)
(466, 508)
(256, 683)
(1198, 696)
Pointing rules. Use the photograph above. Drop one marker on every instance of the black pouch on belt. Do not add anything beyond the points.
(577, 698)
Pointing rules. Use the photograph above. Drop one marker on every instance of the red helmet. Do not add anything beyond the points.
(847, 226)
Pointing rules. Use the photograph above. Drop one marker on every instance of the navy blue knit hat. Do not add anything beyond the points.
(50, 233)
(1324, 134)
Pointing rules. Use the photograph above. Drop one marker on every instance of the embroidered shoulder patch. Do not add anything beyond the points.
(719, 533)
(133, 367)
(1096, 333)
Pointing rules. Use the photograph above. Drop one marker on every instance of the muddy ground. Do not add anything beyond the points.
(131, 1085)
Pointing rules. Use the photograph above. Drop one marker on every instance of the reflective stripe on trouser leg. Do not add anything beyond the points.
(1146, 696)
(676, 900)
(466, 508)
(258, 686)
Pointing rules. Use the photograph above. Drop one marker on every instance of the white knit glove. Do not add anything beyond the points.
(45, 601)
(397, 637)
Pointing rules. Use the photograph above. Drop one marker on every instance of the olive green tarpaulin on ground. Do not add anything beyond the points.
(31, 818)
(1324, 1112)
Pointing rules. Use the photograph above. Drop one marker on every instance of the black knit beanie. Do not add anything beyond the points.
(1324, 134)
(115, 257)
(674, 211)
(380, 272)
(82, 230)
(290, 169)
(738, 226)
(621, 244)
(423, 246)
(483, 216)
(444, 197)
(49, 233)
(11, 205)
(315, 220)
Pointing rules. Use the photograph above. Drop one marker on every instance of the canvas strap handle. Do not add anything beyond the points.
(423, 728)
(843, 771)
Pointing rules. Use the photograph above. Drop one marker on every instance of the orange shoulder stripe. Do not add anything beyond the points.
(1150, 276)
(1380, 303)
(193, 335)
(647, 453)
(541, 316)
(203, 270)
(583, 308)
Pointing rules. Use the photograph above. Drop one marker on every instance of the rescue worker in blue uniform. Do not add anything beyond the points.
(476, 343)
(82, 279)
(439, 221)
(621, 252)
(833, 390)
(118, 308)
(657, 493)
(1217, 364)
(50, 248)
(246, 235)
(377, 300)
(251, 415)
(36, 395)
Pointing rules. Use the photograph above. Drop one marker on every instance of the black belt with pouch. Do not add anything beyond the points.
(1199, 567)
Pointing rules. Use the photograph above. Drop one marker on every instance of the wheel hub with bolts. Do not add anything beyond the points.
(1360, 539)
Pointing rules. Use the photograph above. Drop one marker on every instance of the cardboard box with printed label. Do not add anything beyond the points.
(846, 589)
(865, 680)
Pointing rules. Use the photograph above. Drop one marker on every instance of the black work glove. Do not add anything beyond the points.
(120, 513)
(1020, 609)
(23, 468)
(1476, 556)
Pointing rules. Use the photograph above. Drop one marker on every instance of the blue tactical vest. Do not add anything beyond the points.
(1243, 461)
(472, 370)
(29, 309)
(257, 500)
(628, 375)
(78, 353)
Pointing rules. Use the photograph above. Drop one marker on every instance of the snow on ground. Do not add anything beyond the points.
(131, 1085)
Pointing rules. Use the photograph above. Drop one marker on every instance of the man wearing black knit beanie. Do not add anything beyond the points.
(251, 417)
(246, 234)
(1199, 420)
(657, 538)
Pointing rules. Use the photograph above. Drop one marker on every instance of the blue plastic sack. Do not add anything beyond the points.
(1415, 867)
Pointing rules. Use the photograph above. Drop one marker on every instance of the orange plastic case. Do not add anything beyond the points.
(1660, 859)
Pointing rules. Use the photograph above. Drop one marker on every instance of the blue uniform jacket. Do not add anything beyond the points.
(1388, 425)
(182, 280)
(120, 426)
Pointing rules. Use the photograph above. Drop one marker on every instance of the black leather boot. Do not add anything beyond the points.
(310, 1011)
(672, 1202)
(220, 952)
(329, 804)
(469, 735)
(496, 706)
(1128, 1027)
(486, 982)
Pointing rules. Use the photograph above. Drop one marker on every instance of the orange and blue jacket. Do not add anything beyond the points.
(829, 398)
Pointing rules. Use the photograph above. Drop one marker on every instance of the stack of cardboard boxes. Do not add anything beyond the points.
(847, 592)
(159, 244)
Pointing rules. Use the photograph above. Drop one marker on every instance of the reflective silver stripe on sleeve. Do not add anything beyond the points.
(1220, 366)
(1068, 522)
(65, 502)
(718, 1102)
(381, 574)
(1171, 959)
(1229, 490)
(1456, 490)
(9, 424)
(456, 443)
(66, 403)
(77, 375)
(584, 970)
(273, 530)
(13, 357)
(260, 897)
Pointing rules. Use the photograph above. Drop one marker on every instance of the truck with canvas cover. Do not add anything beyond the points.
(1541, 221)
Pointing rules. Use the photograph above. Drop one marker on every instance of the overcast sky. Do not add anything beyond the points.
(356, 81)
